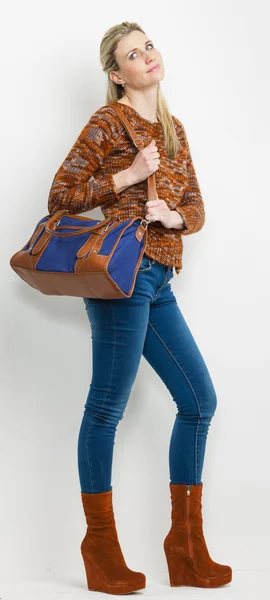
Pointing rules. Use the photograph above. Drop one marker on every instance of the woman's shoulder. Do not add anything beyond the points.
(178, 124)
(106, 112)
(104, 120)
(180, 129)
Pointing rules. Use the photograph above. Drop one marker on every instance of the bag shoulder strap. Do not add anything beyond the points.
(152, 190)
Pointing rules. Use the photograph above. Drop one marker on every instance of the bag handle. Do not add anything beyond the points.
(55, 219)
(152, 190)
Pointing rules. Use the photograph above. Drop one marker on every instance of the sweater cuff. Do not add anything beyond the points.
(104, 188)
(181, 213)
(193, 217)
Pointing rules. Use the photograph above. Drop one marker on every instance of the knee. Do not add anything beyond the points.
(209, 399)
(105, 415)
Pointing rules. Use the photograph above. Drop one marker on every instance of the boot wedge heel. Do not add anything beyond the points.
(182, 573)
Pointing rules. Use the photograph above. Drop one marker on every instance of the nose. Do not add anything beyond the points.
(149, 60)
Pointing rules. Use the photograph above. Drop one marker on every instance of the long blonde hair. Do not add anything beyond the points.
(115, 91)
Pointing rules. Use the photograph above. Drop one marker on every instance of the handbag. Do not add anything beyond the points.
(73, 255)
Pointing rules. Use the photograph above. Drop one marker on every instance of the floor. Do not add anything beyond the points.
(244, 586)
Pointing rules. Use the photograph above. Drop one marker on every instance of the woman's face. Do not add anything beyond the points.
(136, 54)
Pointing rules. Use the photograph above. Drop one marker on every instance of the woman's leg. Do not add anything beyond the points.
(172, 351)
(118, 332)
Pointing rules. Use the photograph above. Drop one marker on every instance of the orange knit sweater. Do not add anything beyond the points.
(84, 180)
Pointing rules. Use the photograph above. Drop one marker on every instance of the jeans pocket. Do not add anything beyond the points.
(145, 264)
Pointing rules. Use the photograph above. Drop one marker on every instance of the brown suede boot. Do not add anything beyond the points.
(188, 559)
(106, 568)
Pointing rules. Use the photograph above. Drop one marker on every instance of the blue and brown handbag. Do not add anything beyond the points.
(72, 255)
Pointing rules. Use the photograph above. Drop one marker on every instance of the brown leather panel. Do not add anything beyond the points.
(93, 285)
(41, 243)
(21, 259)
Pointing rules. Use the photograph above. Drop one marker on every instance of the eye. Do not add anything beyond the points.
(145, 46)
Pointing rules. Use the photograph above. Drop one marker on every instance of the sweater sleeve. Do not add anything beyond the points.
(191, 206)
(72, 188)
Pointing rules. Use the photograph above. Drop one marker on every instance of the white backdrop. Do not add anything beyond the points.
(216, 58)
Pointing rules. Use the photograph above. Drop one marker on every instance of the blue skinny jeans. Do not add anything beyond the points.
(150, 322)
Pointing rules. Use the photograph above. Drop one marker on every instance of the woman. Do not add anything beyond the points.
(149, 323)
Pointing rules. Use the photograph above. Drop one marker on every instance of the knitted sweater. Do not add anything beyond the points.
(84, 180)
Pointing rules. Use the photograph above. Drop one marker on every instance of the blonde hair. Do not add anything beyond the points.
(115, 91)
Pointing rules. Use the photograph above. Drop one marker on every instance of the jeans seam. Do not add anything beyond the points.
(168, 350)
(193, 391)
(162, 286)
(86, 452)
(143, 270)
(149, 266)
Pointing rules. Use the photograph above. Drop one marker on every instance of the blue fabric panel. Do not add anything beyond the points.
(60, 253)
(123, 262)
(65, 221)
(111, 238)
(41, 221)
(75, 221)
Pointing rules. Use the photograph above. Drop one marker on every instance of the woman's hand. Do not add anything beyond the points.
(146, 162)
(158, 210)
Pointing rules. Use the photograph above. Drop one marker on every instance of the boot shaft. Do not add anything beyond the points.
(186, 501)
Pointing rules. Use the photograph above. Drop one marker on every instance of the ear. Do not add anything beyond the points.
(115, 77)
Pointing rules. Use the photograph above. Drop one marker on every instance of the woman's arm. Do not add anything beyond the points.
(191, 206)
(71, 188)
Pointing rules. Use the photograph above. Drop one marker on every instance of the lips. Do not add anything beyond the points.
(155, 68)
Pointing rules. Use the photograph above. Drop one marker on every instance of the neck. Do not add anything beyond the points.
(145, 103)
